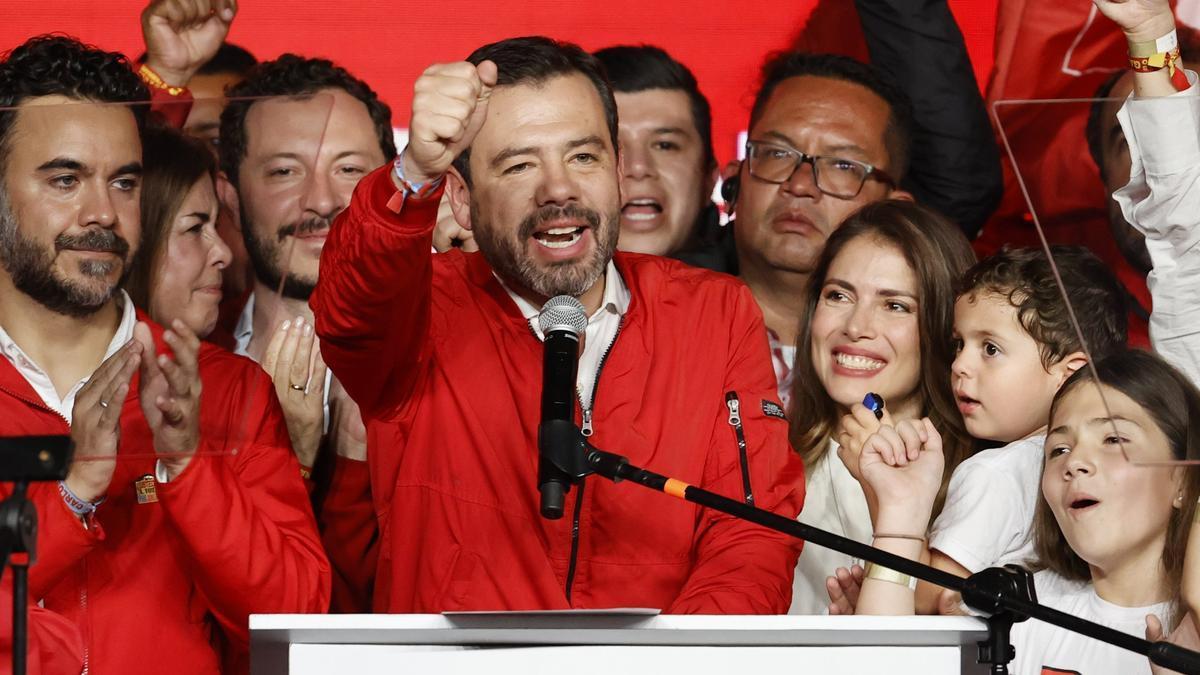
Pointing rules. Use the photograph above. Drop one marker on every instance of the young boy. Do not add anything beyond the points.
(1016, 347)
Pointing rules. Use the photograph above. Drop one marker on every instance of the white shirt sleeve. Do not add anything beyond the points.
(1162, 200)
(985, 516)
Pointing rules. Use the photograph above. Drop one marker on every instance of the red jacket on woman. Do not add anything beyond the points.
(168, 574)
(448, 376)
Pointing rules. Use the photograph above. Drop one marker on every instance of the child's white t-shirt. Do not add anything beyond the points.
(988, 516)
(1044, 649)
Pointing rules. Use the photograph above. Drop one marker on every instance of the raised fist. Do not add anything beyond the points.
(183, 35)
(449, 106)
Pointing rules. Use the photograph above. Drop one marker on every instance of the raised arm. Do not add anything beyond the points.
(1162, 199)
(372, 302)
(955, 165)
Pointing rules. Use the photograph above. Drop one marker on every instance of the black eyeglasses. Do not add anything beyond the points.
(834, 176)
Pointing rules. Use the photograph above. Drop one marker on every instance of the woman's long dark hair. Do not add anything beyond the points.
(938, 254)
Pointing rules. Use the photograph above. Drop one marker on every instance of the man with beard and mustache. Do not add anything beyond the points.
(127, 548)
(294, 159)
(443, 355)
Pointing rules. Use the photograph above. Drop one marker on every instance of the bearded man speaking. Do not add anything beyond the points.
(443, 355)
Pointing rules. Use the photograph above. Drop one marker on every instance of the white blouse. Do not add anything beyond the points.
(833, 501)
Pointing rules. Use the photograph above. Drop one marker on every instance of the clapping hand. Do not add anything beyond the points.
(293, 360)
(169, 390)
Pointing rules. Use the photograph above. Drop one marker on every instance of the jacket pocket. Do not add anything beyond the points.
(456, 586)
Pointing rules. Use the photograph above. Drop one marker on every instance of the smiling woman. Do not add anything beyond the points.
(877, 318)
(177, 271)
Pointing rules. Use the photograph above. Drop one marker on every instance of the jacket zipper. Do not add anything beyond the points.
(587, 430)
(735, 420)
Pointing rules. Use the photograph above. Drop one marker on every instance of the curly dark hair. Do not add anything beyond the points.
(297, 77)
(49, 65)
(1024, 276)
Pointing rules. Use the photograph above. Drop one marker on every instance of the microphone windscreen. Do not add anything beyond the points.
(562, 312)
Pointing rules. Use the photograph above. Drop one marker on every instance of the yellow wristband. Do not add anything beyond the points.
(891, 576)
(151, 78)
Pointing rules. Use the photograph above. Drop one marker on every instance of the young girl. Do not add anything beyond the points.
(1110, 535)
(878, 319)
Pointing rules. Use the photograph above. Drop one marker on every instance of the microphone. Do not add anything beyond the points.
(562, 321)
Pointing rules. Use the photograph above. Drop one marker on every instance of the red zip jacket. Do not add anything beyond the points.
(448, 376)
(168, 585)
(53, 646)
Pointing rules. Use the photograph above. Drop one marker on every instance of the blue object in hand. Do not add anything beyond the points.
(874, 403)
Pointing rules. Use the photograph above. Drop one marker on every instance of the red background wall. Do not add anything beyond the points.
(389, 43)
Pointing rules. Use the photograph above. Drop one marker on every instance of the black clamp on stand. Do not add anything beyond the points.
(1006, 594)
(985, 591)
(26, 459)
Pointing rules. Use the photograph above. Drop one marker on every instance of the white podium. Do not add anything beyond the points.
(608, 643)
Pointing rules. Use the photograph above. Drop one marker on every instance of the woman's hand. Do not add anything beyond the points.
(853, 431)
(903, 466)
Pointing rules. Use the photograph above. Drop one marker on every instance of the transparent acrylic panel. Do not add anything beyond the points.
(95, 216)
(1055, 147)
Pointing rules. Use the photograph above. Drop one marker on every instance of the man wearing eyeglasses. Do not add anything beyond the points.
(827, 135)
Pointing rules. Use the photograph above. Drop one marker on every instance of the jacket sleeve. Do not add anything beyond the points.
(740, 567)
(62, 540)
(954, 164)
(346, 518)
(372, 301)
(245, 524)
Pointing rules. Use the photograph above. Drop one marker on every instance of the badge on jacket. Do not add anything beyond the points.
(145, 489)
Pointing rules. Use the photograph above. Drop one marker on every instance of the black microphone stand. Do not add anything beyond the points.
(18, 546)
(1006, 594)
(25, 459)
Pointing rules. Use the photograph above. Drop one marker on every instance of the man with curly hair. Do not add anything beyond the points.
(158, 558)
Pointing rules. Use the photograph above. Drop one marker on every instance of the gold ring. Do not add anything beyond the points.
(297, 387)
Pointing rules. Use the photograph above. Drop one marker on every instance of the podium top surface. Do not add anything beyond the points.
(613, 629)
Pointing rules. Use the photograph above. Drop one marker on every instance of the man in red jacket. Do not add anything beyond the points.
(182, 513)
(443, 355)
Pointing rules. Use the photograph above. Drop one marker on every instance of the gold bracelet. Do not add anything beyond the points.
(151, 78)
(891, 576)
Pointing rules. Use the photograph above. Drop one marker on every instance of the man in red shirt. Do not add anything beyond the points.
(183, 512)
(442, 354)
